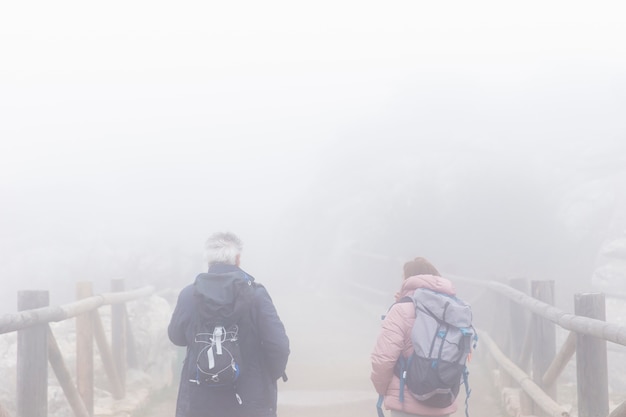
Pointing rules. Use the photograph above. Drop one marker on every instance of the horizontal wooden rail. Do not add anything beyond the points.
(583, 325)
(620, 411)
(27, 318)
(543, 400)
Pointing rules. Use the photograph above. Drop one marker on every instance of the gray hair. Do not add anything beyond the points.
(222, 248)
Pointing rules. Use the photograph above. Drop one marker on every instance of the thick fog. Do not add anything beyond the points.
(338, 139)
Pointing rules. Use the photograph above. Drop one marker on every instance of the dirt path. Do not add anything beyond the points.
(347, 396)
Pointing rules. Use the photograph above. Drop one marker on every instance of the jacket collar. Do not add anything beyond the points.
(223, 268)
(226, 268)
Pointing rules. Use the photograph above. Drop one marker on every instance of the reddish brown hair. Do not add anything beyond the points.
(419, 266)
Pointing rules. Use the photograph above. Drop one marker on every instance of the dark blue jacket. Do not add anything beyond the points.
(264, 347)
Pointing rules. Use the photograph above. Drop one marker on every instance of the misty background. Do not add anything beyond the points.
(337, 139)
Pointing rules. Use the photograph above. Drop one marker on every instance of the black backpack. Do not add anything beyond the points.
(217, 356)
(221, 302)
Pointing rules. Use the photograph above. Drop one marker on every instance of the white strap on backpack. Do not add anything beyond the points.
(216, 342)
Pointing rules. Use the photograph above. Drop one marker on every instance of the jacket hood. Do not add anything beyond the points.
(432, 282)
(223, 294)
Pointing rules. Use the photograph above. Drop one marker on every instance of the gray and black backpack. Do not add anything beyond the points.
(443, 338)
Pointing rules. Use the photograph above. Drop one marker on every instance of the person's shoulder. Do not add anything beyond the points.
(262, 297)
(403, 308)
(260, 290)
(186, 292)
(258, 285)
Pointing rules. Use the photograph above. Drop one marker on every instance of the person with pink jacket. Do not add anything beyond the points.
(394, 341)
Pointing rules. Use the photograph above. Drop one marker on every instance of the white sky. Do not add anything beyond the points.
(88, 82)
(146, 115)
(74, 75)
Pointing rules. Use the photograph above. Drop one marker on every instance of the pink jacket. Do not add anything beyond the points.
(395, 340)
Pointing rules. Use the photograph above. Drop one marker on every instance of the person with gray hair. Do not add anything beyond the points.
(223, 248)
(225, 315)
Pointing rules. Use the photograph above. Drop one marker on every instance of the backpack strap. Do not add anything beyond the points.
(404, 367)
(379, 405)
(402, 361)
(468, 391)
(405, 299)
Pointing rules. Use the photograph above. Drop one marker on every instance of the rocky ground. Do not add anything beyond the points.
(149, 317)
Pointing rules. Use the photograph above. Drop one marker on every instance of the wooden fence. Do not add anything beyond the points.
(522, 340)
(36, 346)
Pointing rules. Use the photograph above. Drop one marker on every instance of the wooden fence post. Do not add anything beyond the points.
(131, 349)
(3, 411)
(520, 337)
(32, 359)
(519, 321)
(500, 328)
(591, 360)
(84, 349)
(118, 334)
(544, 336)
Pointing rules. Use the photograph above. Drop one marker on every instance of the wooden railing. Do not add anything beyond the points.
(37, 345)
(521, 340)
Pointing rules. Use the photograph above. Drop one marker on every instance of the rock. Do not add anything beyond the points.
(614, 249)
(611, 277)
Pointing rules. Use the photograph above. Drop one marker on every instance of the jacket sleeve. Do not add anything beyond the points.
(273, 337)
(181, 317)
(388, 348)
